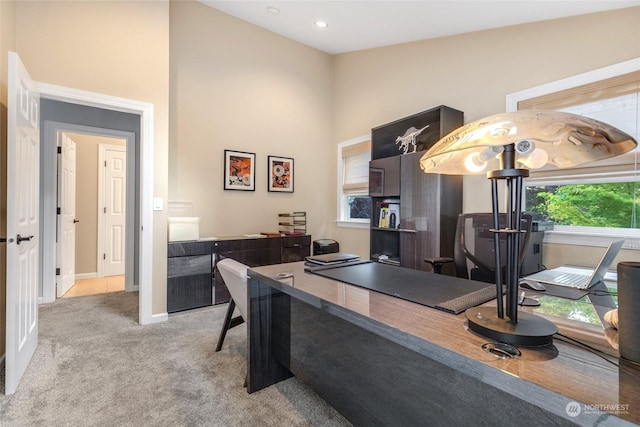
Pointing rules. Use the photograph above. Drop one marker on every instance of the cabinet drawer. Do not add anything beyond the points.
(295, 254)
(254, 258)
(188, 266)
(187, 292)
(176, 249)
(247, 244)
(296, 241)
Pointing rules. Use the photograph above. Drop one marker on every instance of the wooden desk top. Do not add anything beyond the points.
(563, 368)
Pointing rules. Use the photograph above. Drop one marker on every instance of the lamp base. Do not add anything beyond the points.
(530, 331)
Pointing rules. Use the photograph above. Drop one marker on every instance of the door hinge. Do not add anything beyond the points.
(59, 150)
(58, 211)
(57, 271)
(104, 209)
(105, 163)
(104, 256)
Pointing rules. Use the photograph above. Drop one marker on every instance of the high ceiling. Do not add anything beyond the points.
(357, 24)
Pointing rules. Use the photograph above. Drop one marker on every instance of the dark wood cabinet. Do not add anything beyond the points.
(192, 279)
(252, 252)
(296, 248)
(188, 282)
(189, 267)
(384, 177)
(414, 214)
(429, 208)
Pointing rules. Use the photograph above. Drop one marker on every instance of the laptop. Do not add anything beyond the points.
(580, 279)
(333, 258)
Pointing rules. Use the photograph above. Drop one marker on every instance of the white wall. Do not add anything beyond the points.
(236, 86)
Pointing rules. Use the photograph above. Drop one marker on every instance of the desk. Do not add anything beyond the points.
(380, 360)
(193, 281)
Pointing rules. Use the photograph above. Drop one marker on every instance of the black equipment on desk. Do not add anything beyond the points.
(325, 246)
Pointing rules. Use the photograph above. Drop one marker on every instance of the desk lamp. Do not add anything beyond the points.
(508, 145)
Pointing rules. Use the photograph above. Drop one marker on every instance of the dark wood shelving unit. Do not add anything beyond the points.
(426, 206)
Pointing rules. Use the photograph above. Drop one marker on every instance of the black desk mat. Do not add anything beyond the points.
(443, 292)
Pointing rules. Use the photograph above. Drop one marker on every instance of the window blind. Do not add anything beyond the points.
(613, 87)
(615, 101)
(356, 168)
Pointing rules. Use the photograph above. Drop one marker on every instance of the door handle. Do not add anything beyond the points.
(76, 220)
(19, 239)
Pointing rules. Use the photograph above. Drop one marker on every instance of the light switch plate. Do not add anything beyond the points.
(157, 203)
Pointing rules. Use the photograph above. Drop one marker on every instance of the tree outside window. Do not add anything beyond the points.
(590, 205)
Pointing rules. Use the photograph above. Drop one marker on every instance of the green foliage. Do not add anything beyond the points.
(594, 205)
(569, 309)
(581, 310)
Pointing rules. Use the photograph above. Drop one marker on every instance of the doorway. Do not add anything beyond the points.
(92, 218)
(70, 106)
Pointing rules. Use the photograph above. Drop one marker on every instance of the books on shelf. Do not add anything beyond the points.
(389, 215)
(384, 217)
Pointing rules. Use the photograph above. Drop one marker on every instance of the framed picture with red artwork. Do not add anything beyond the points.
(280, 174)
(239, 170)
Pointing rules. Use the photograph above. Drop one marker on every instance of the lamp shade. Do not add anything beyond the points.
(563, 140)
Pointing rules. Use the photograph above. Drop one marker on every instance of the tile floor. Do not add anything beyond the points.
(99, 285)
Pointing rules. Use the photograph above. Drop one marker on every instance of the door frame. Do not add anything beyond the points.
(102, 148)
(64, 193)
(49, 169)
(145, 111)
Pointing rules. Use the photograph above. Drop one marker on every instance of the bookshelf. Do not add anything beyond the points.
(425, 207)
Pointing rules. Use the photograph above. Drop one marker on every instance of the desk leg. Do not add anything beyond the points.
(269, 336)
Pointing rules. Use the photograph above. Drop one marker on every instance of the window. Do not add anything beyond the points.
(354, 204)
(592, 203)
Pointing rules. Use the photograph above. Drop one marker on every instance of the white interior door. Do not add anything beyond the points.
(23, 167)
(113, 210)
(66, 247)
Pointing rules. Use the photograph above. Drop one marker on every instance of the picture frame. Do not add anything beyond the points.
(281, 174)
(239, 170)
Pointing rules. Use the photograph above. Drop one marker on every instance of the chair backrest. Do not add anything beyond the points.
(474, 250)
(234, 275)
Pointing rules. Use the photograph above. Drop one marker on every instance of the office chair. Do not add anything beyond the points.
(234, 275)
(474, 250)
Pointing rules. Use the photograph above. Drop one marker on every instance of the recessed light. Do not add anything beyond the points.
(273, 10)
(321, 24)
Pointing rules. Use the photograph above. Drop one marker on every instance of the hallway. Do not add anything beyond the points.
(98, 285)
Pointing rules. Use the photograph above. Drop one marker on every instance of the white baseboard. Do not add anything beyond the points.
(86, 276)
(159, 318)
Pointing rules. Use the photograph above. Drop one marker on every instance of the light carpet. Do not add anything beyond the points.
(96, 366)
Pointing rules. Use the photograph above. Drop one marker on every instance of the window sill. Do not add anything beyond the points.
(582, 236)
(352, 224)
